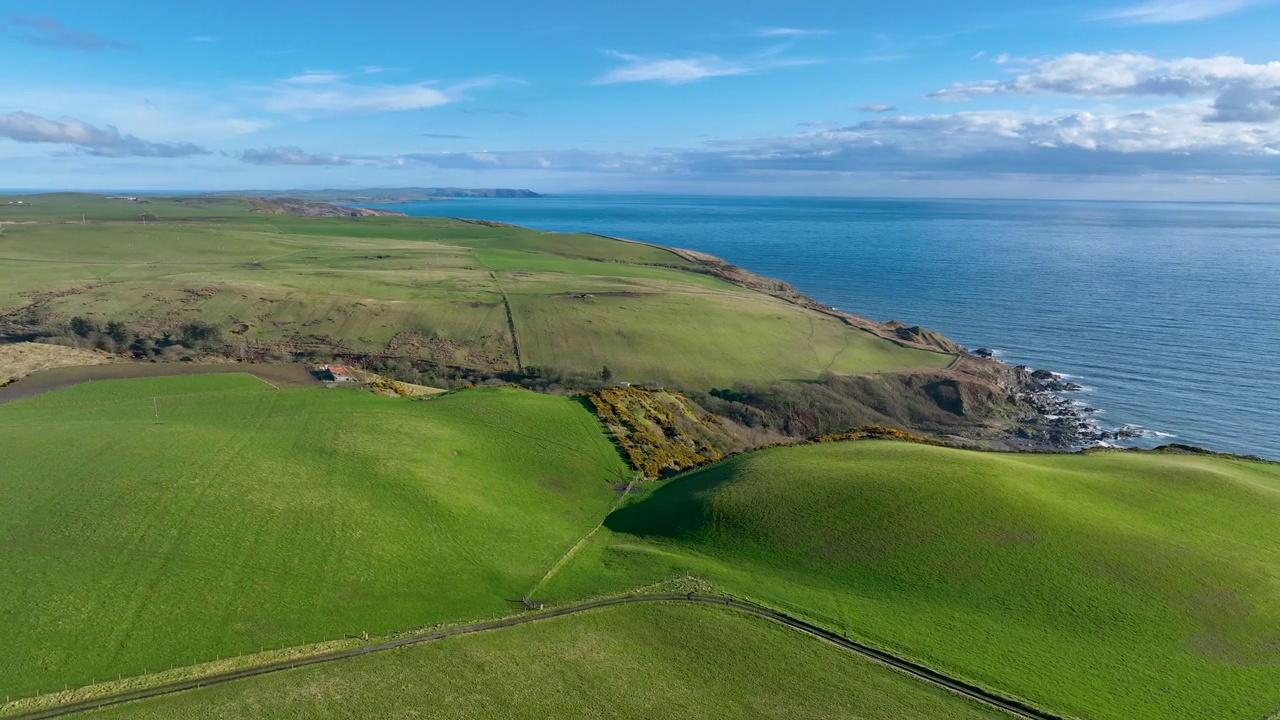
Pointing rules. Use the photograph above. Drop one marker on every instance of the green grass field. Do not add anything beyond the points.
(424, 288)
(252, 517)
(634, 661)
(169, 521)
(1111, 586)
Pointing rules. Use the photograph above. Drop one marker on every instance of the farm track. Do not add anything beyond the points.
(1008, 705)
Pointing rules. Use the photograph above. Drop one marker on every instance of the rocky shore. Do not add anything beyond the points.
(1057, 422)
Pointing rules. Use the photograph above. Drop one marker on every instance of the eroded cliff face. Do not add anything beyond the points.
(975, 399)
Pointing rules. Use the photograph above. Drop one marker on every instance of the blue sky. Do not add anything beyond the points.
(1159, 99)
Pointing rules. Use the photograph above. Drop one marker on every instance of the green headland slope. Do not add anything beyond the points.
(1112, 586)
(482, 296)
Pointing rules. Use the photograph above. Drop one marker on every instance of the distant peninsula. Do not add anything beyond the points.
(390, 196)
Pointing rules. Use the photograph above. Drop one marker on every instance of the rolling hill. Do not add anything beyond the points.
(155, 527)
(1116, 585)
(170, 521)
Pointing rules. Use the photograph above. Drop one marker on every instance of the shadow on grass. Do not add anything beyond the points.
(678, 509)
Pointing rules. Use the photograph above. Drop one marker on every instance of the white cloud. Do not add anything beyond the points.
(315, 77)
(102, 142)
(290, 156)
(787, 32)
(155, 113)
(1243, 91)
(322, 93)
(873, 108)
(1177, 11)
(673, 71)
(690, 68)
(309, 100)
(1173, 140)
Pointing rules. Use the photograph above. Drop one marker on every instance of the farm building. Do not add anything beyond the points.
(337, 373)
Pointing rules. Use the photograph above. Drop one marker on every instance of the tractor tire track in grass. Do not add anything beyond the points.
(989, 698)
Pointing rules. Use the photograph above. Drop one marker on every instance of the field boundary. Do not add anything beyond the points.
(1008, 705)
(571, 552)
(511, 321)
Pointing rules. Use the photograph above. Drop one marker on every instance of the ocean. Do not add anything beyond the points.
(1167, 313)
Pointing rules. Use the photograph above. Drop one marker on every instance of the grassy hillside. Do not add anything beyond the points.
(252, 517)
(150, 523)
(442, 290)
(1111, 586)
(622, 662)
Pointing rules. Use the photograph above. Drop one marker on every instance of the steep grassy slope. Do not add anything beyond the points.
(1111, 586)
(448, 291)
(621, 662)
(250, 517)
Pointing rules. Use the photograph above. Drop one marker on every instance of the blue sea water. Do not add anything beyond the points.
(1168, 313)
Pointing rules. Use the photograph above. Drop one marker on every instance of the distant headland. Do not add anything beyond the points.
(390, 196)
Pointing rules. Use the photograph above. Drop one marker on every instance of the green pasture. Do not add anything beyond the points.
(424, 288)
(73, 207)
(1111, 586)
(638, 661)
(152, 523)
(704, 337)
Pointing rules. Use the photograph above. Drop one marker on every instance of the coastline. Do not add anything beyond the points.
(1052, 421)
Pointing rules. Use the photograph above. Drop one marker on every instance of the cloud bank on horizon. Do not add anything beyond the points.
(988, 99)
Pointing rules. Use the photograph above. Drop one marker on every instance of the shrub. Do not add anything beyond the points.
(82, 326)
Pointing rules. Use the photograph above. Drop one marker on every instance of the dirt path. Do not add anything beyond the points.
(1010, 706)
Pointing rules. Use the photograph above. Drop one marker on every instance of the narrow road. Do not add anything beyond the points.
(1011, 706)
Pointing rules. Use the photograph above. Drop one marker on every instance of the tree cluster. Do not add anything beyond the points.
(118, 336)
